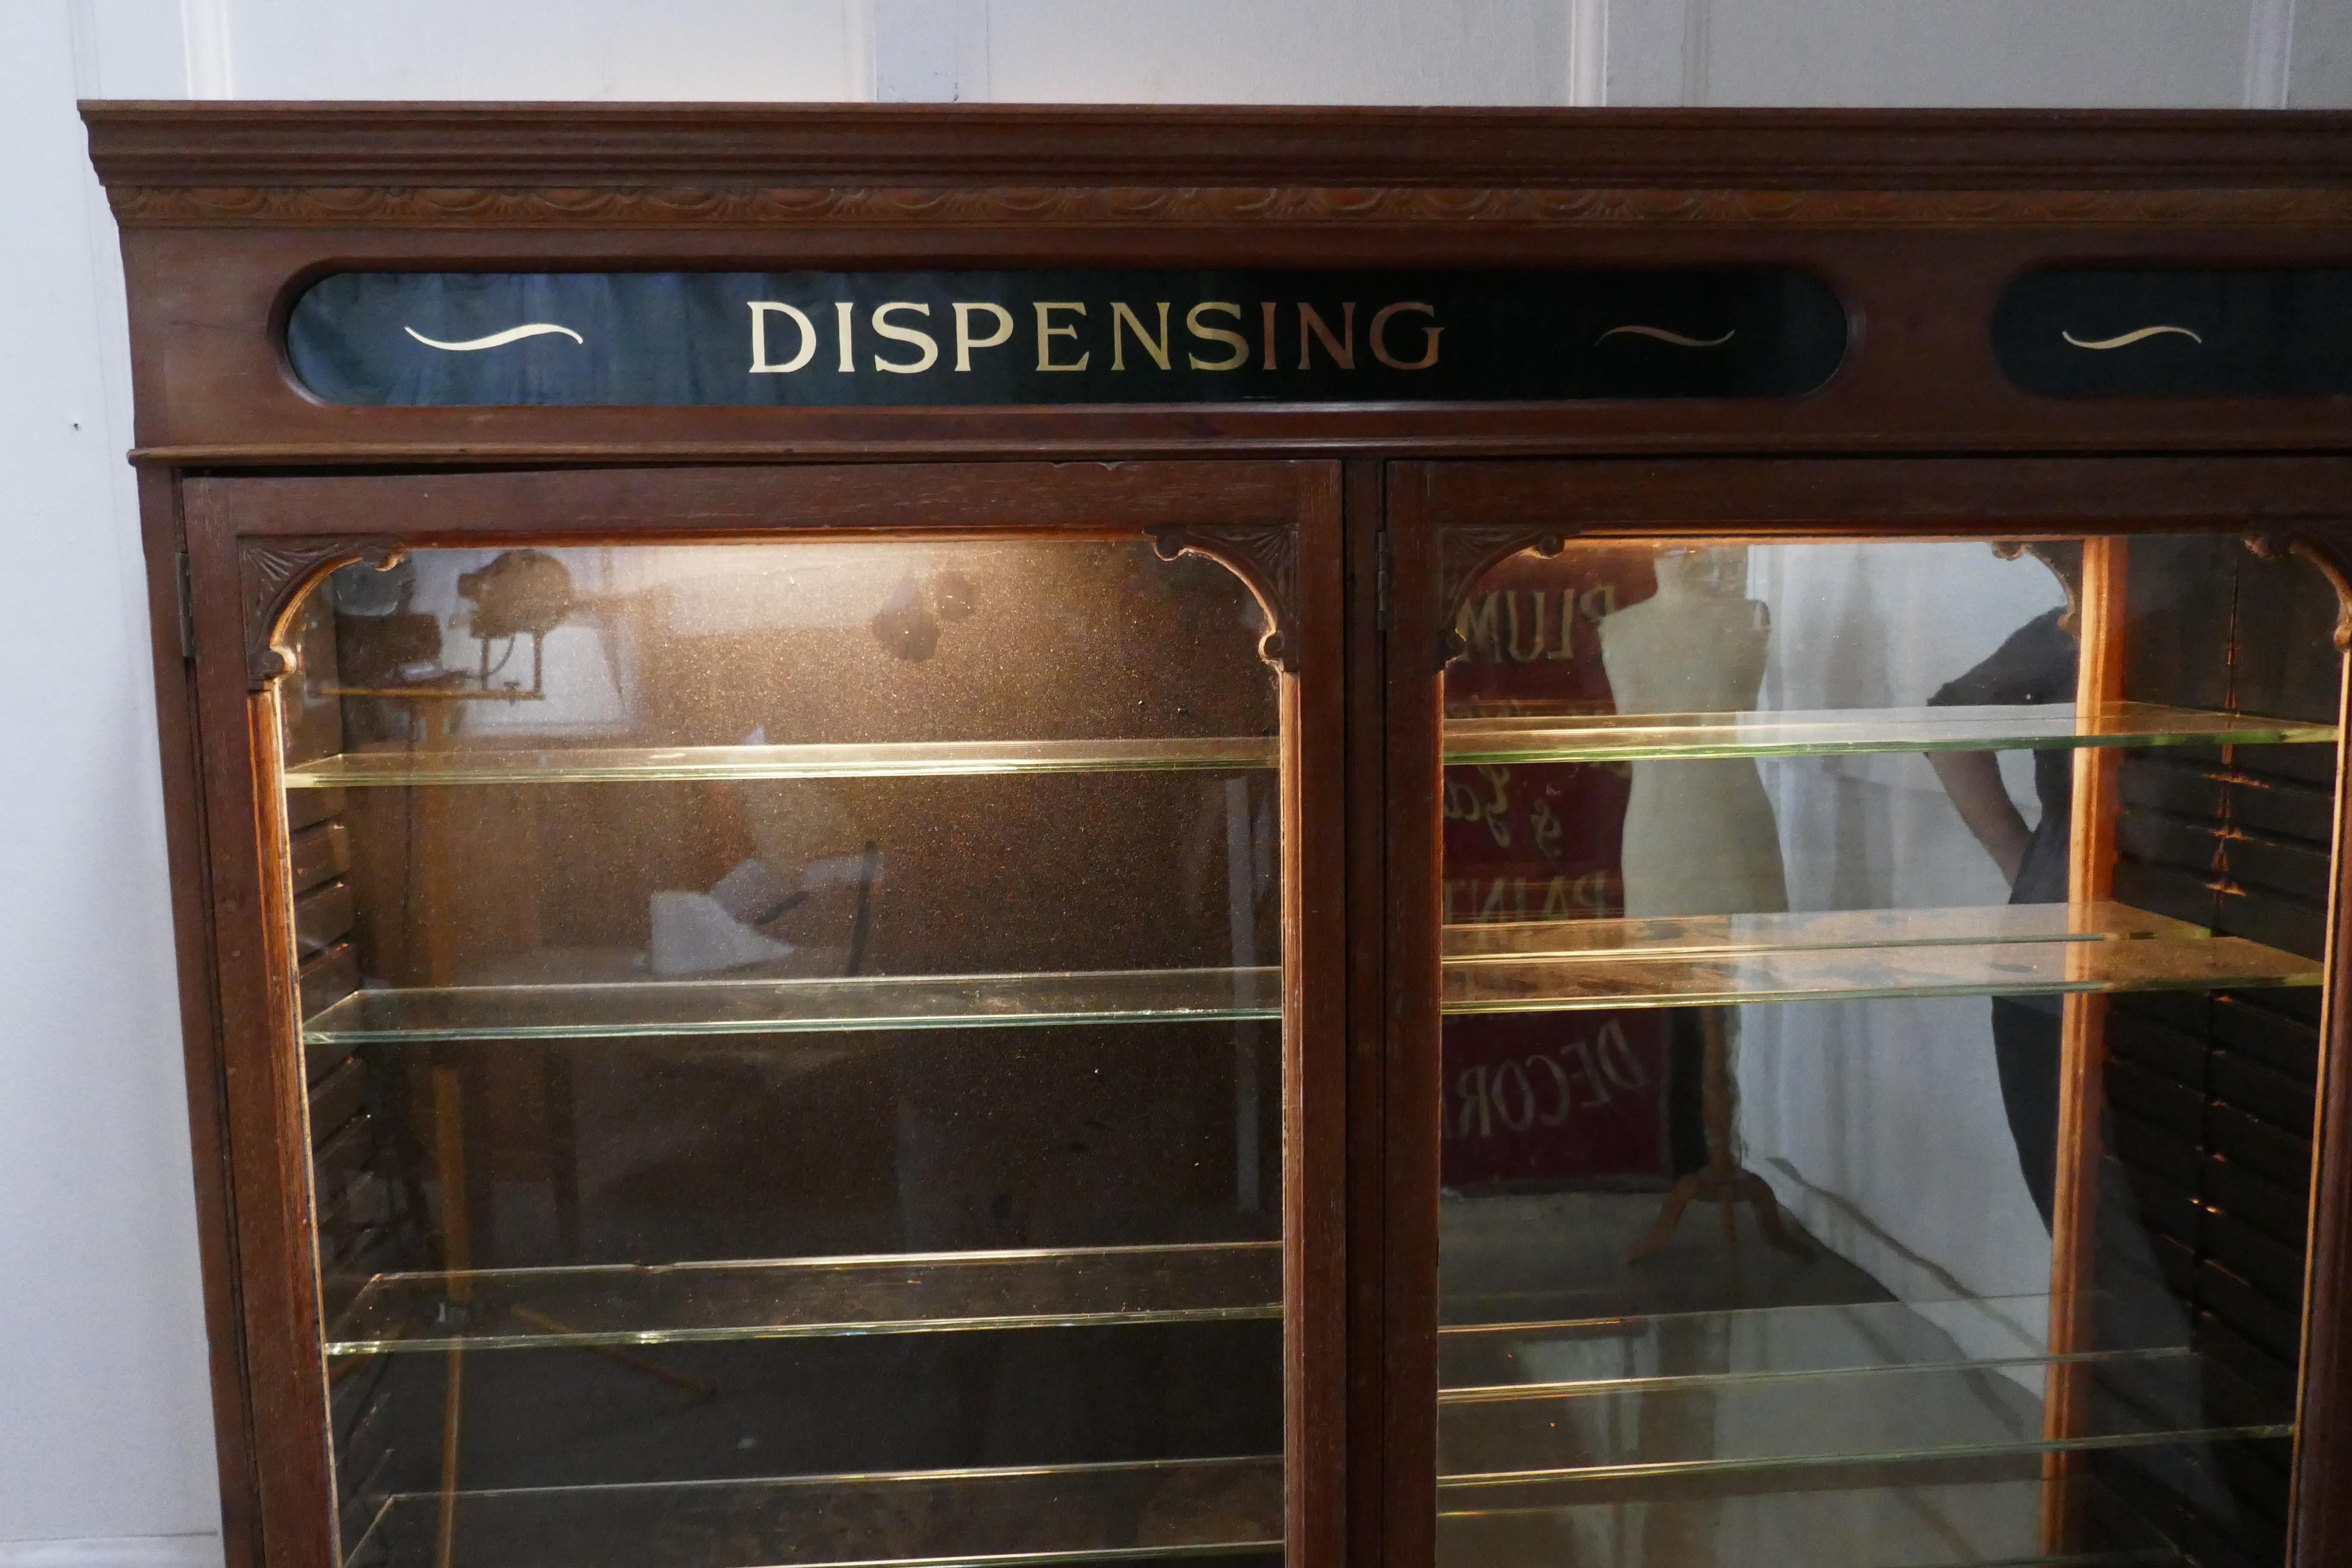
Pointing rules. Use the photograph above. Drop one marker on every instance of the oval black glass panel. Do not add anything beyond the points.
(2101, 333)
(900, 339)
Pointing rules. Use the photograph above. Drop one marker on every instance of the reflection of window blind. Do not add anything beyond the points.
(2209, 1098)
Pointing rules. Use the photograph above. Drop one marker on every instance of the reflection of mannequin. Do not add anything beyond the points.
(1700, 838)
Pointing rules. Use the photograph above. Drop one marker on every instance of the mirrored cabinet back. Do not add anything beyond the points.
(908, 837)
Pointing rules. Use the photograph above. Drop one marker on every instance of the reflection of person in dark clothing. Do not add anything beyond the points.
(2035, 665)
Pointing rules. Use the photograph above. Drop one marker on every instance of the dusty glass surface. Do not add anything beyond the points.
(670, 1007)
(794, 1035)
(665, 1303)
(1182, 1510)
(899, 759)
(1881, 984)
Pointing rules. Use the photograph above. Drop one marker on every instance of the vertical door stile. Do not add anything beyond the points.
(2082, 1042)
(268, 1155)
(1367, 850)
(1315, 956)
(1413, 779)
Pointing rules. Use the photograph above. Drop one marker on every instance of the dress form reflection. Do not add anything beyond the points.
(1700, 837)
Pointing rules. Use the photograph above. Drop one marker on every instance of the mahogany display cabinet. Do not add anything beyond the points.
(1017, 837)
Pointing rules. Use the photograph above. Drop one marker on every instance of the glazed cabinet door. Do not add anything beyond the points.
(774, 1017)
(1863, 932)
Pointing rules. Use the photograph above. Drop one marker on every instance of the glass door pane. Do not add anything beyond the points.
(795, 1047)
(1880, 986)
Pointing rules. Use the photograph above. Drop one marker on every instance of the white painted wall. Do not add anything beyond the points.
(2152, 53)
(2319, 73)
(105, 1446)
(533, 49)
(104, 1424)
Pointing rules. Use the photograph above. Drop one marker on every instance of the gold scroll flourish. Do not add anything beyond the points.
(496, 339)
(2125, 340)
(1665, 336)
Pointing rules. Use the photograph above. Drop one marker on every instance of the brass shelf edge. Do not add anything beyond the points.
(1666, 1468)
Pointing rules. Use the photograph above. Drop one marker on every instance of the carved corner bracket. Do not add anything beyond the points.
(273, 573)
(2278, 544)
(1265, 556)
(2065, 564)
(1467, 554)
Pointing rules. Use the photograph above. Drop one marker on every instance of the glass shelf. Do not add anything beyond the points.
(1607, 978)
(1509, 940)
(1480, 1360)
(359, 770)
(1520, 966)
(1687, 1426)
(1516, 738)
(921, 1519)
(1979, 1524)
(639, 1304)
(653, 1007)
(1613, 737)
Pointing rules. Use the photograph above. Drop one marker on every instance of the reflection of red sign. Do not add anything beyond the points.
(1562, 1098)
(1534, 843)
(1569, 1097)
(1532, 627)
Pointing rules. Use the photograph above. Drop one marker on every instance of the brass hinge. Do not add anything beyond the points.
(1381, 581)
(188, 606)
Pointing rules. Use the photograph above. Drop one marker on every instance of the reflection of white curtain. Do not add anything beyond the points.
(1890, 1111)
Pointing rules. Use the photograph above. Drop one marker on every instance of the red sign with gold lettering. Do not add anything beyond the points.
(1572, 1098)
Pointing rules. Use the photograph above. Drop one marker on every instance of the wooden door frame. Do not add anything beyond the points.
(253, 546)
(1448, 523)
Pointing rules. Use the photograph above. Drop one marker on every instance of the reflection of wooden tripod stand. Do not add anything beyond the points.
(1722, 1181)
(450, 1139)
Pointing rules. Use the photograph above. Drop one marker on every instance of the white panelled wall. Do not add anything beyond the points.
(105, 1437)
